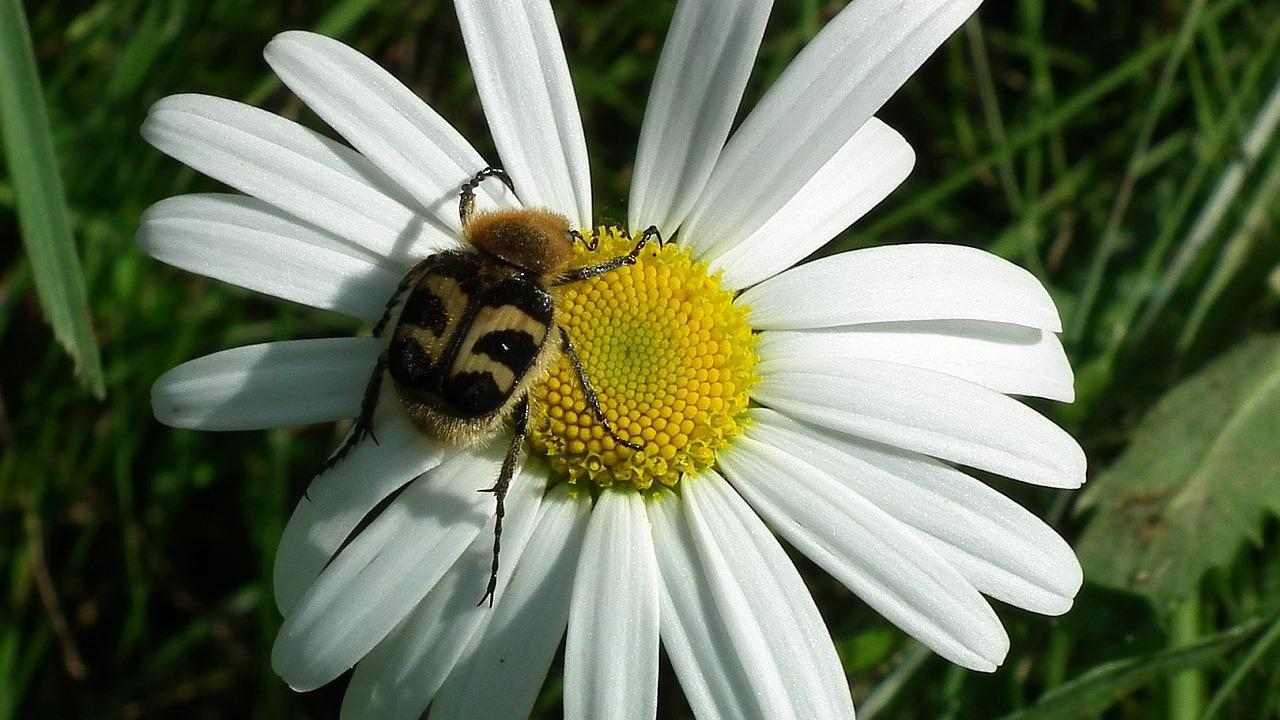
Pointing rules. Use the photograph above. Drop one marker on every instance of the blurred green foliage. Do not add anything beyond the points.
(1119, 150)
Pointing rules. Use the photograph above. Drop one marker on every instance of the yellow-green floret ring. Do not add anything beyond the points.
(671, 358)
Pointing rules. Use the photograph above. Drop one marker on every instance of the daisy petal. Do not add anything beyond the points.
(881, 560)
(611, 655)
(246, 242)
(769, 614)
(373, 583)
(269, 385)
(385, 121)
(523, 80)
(901, 282)
(299, 171)
(868, 167)
(398, 678)
(996, 544)
(703, 70)
(501, 675)
(832, 87)
(720, 682)
(340, 497)
(1011, 359)
(931, 413)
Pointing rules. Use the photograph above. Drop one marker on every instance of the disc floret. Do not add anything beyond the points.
(671, 358)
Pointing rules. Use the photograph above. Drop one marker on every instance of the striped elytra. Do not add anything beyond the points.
(471, 335)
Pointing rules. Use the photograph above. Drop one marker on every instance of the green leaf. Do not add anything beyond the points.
(1198, 478)
(42, 207)
(1090, 694)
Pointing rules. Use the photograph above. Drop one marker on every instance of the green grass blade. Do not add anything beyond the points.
(1068, 110)
(1234, 257)
(1111, 235)
(991, 110)
(1242, 670)
(1213, 143)
(1230, 185)
(1090, 694)
(886, 690)
(41, 205)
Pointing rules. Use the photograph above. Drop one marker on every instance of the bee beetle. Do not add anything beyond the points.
(477, 328)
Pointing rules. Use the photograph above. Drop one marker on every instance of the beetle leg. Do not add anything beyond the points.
(589, 271)
(363, 425)
(499, 490)
(364, 422)
(406, 282)
(593, 400)
(467, 196)
(591, 245)
(651, 231)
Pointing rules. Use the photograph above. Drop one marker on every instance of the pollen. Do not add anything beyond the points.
(671, 358)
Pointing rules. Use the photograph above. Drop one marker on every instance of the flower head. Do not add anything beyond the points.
(832, 400)
(673, 361)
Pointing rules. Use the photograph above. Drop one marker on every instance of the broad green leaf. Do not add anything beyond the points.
(1200, 474)
(42, 207)
(1096, 690)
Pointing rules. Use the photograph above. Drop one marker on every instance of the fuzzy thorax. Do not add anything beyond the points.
(533, 239)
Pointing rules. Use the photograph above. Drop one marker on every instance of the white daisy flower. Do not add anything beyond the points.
(829, 403)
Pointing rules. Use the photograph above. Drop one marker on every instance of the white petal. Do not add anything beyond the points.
(269, 385)
(398, 678)
(834, 86)
(373, 583)
(611, 655)
(340, 497)
(868, 167)
(385, 121)
(719, 682)
(901, 282)
(523, 80)
(997, 545)
(501, 676)
(246, 242)
(298, 170)
(883, 561)
(770, 617)
(931, 413)
(703, 70)
(1011, 359)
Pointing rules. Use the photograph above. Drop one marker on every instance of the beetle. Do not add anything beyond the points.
(477, 328)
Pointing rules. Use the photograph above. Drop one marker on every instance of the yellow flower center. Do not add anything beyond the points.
(670, 357)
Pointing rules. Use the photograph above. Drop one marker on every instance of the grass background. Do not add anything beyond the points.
(1084, 140)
